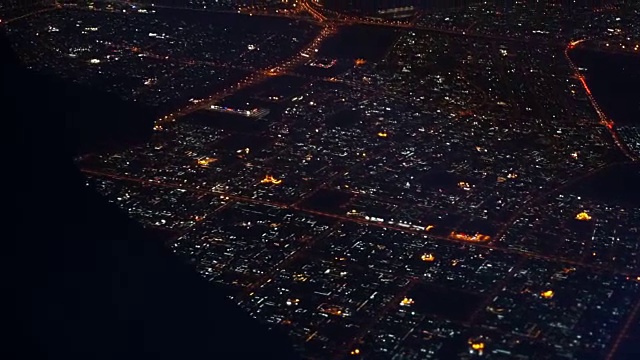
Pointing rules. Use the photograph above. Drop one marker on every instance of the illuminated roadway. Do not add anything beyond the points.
(329, 28)
(608, 123)
(341, 218)
(256, 77)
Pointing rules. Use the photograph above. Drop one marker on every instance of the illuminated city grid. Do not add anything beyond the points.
(353, 202)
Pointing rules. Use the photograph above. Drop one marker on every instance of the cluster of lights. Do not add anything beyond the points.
(471, 238)
(583, 216)
(291, 302)
(206, 161)
(406, 302)
(427, 257)
(464, 185)
(270, 180)
(477, 345)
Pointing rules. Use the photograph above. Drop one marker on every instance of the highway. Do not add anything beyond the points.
(345, 218)
(608, 123)
(329, 27)
(631, 320)
(29, 14)
(283, 68)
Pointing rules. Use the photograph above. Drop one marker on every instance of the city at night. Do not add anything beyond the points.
(324, 179)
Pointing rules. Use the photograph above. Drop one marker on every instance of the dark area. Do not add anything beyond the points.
(614, 80)
(443, 302)
(481, 226)
(280, 87)
(438, 179)
(359, 41)
(225, 121)
(327, 200)
(343, 118)
(619, 183)
(240, 141)
(86, 281)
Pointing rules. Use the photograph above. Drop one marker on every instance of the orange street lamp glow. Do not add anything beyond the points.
(547, 294)
(471, 238)
(270, 180)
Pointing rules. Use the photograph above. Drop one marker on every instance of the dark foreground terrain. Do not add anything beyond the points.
(87, 282)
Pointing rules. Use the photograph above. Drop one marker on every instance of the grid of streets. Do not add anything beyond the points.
(420, 203)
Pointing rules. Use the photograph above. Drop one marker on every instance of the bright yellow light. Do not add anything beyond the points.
(477, 346)
(383, 134)
(428, 257)
(547, 294)
(406, 302)
(583, 216)
(464, 185)
(205, 161)
(270, 179)
(355, 351)
(429, 227)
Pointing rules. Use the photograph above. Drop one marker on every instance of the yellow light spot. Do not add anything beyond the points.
(477, 346)
(383, 134)
(406, 302)
(547, 294)
(429, 227)
(583, 216)
(206, 161)
(355, 351)
(427, 257)
(270, 180)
